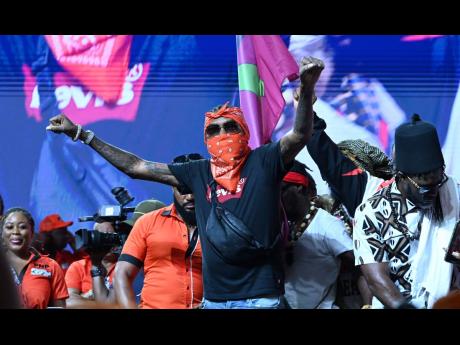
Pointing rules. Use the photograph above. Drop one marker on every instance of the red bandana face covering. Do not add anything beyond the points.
(228, 151)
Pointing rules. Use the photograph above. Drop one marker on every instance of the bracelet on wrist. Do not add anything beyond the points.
(89, 137)
(78, 133)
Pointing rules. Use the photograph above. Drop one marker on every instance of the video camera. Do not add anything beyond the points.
(93, 240)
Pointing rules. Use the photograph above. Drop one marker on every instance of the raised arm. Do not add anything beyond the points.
(293, 142)
(128, 163)
(343, 176)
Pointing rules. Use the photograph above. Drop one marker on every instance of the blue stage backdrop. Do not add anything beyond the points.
(371, 84)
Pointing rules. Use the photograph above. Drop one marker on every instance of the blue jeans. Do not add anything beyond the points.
(269, 302)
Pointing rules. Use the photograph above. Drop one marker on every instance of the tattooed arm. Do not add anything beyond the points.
(292, 143)
(128, 163)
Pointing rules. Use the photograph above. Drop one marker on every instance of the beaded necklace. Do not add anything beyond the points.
(299, 227)
(342, 213)
(296, 229)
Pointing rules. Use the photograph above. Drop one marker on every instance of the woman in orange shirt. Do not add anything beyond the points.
(39, 279)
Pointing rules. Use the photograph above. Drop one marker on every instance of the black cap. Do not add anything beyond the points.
(417, 148)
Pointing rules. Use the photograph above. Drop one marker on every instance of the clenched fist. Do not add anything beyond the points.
(61, 124)
(310, 70)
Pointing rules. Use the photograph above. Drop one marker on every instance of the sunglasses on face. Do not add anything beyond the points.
(228, 127)
(427, 189)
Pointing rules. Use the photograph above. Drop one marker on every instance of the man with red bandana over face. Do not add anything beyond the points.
(228, 151)
(245, 182)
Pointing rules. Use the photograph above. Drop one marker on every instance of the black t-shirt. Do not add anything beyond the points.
(257, 203)
(346, 182)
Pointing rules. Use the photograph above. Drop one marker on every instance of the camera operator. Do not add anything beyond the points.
(90, 280)
(165, 242)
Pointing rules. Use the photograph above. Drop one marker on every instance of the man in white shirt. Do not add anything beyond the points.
(318, 244)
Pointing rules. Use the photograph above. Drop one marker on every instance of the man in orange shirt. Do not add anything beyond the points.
(165, 242)
(53, 238)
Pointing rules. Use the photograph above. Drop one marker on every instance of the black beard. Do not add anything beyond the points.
(188, 216)
(435, 212)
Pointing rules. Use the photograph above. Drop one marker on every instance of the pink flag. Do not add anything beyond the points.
(264, 62)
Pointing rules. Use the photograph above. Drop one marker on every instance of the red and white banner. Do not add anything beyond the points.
(84, 106)
(99, 62)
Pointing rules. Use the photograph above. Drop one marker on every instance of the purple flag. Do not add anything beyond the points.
(264, 62)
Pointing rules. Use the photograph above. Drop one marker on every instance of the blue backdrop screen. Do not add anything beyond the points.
(371, 84)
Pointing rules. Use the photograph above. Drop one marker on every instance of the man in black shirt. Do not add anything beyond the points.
(245, 182)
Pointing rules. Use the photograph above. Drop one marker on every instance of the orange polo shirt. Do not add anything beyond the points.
(78, 276)
(65, 258)
(40, 282)
(158, 241)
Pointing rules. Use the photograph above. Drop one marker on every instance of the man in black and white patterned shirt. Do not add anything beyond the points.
(401, 231)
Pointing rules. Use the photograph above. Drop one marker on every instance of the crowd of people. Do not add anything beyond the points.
(247, 228)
